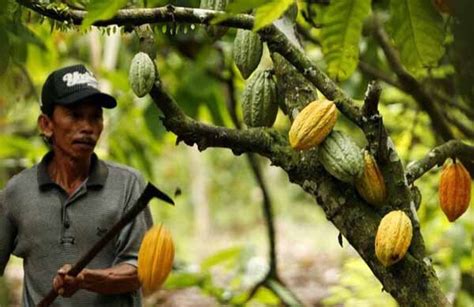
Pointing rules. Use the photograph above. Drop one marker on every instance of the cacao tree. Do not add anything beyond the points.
(418, 47)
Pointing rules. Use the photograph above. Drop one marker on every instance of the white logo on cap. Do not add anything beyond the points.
(76, 77)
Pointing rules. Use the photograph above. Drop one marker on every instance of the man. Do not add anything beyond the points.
(54, 212)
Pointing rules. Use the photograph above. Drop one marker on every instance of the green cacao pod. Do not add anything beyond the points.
(454, 190)
(259, 103)
(155, 258)
(341, 157)
(371, 185)
(247, 51)
(217, 5)
(393, 237)
(142, 74)
(313, 124)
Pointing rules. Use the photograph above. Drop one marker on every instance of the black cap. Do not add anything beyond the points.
(70, 85)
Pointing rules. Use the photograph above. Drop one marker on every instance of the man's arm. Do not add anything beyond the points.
(121, 278)
(7, 234)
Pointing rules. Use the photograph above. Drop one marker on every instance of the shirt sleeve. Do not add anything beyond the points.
(130, 238)
(7, 233)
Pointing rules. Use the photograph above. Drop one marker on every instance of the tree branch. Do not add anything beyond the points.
(437, 156)
(253, 161)
(277, 41)
(411, 85)
(374, 72)
(378, 74)
(468, 131)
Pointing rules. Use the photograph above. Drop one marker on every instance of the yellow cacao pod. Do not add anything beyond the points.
(393, 237)
(313, 124)
(155, 258)
(371, 185)
(454, 190)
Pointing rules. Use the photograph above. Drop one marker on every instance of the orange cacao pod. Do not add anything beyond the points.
(371, 185)
(454, 190)
(444, 6)
(313, 124)
(155, 258)
(393, 237)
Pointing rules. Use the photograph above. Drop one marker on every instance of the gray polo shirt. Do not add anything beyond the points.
(45, 227)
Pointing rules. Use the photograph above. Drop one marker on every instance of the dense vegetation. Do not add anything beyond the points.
(421, 58)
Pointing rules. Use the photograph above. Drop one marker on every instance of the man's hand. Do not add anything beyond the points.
(121, 278)
(66, 285)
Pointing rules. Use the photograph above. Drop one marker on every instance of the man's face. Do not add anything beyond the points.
(75, 129)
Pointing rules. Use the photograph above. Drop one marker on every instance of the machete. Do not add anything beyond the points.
(150, 192)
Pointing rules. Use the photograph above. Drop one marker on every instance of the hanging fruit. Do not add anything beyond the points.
(259, 101)
(341, 157)
(393, 237)
(454, 190)
(247, 51)
(142, 74)
(155, 258)
(371, 185)
(313, 124)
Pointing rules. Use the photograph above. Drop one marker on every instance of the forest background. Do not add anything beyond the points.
(218, 225)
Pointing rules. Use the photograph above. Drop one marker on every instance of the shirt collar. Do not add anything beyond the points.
(97, 175)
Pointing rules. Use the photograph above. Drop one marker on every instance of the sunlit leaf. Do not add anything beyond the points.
(340, 36)
(231, 254)
(183, 280)
(266, 14)
(417, 30)
(267, 297)
(101, 10)
(14, 146)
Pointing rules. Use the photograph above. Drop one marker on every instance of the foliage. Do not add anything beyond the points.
(418, 32)
(32, 47)
(341, 35)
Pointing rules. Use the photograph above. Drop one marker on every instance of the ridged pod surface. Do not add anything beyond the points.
(247, 51)
(341, 157)
(259, 101)
(393, 237)
(155, 258)
(217, 5)
(142, 74)
(454, 190)
(313, 124)
(371, 185)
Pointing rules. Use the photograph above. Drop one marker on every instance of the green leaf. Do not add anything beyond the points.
(417, 30)
(26, 35)
(267, 13)
(183, 280)
(230, 254)
(14, 146)
(101, 10)
(340, 36)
